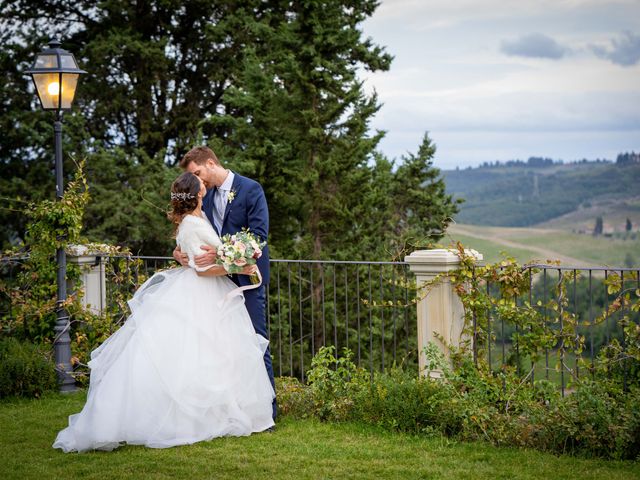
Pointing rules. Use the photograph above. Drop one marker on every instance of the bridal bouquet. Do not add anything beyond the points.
(238, 251)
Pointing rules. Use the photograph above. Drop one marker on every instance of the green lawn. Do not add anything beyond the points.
(297, 450)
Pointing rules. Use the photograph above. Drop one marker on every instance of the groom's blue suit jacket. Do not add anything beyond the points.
(248, 209)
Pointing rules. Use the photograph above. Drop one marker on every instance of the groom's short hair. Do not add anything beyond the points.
(199, 155)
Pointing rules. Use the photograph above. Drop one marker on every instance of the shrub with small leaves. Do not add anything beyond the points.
(334, 383)
(470, 403)
(294, 398)
(25, 369)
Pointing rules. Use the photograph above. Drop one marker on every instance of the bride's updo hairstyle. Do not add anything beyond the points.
(184, 196)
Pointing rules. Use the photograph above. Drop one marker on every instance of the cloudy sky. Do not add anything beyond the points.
(499, 80)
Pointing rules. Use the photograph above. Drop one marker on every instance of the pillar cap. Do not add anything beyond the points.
(83, 253)
(78, 250)
(437, 260)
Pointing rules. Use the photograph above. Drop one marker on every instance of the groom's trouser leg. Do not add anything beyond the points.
(255, 301)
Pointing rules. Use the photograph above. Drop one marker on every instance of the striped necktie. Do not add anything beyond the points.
(219, 208)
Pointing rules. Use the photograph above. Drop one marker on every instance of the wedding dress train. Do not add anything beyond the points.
(185, 367)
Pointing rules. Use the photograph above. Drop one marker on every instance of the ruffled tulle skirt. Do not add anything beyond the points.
(185, 367)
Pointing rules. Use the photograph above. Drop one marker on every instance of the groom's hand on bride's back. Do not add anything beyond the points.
(181, 258)
(207, 258)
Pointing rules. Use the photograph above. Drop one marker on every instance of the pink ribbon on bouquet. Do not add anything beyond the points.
(238, 290)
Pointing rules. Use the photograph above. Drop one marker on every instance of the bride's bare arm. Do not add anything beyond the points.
(215, 271)
(219, 270)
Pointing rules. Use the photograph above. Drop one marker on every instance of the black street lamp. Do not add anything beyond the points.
(55, 75)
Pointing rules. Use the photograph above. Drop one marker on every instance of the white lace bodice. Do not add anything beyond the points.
(193, 232)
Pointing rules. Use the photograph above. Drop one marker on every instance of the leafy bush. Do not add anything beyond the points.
(593, 420)
(25, 370)
(294, 398)
(335, 383)
(469, 403)
(400, 401)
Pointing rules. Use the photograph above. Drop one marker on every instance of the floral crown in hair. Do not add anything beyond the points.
(182, 196)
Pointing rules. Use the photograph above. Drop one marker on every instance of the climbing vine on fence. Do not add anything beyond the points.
(52, 224)
(499, 291)
(622, 358)
(32, 292)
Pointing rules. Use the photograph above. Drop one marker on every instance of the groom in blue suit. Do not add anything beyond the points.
(234, 202)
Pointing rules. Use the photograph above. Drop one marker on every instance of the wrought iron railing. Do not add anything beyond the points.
(584, 297)
(367, 307)
(370, 308)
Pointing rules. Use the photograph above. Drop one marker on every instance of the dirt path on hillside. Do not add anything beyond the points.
(545, 254)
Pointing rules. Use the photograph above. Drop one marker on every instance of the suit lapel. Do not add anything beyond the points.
(235, 186)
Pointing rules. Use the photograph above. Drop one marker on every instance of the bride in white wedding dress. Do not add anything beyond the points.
(186, 366)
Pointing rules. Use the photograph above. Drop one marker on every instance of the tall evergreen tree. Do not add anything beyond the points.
(420, 210)
(271, 85)
(156, 69)
(305, 129)
(598, 229)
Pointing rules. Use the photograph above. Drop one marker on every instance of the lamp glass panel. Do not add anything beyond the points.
(48, 88)
(67, 61)
(46, 61)
(69, 83)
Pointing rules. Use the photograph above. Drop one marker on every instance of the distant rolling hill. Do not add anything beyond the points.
(566, 196)
(532, 244)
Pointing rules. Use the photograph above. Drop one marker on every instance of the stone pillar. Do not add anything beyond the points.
(440, 311)
(92, 277)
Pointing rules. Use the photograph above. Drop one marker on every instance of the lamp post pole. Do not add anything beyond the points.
(57, 129)
(55, 76)
(62, 342)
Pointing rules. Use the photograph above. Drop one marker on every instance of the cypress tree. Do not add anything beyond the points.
(304, 132)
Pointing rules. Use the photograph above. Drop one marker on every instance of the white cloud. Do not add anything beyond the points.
(624, 51)
(451, 77)
(535, 45)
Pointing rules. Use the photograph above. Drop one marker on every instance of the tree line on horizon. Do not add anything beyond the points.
(272, 86)
(543, 162)
(521, 197)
